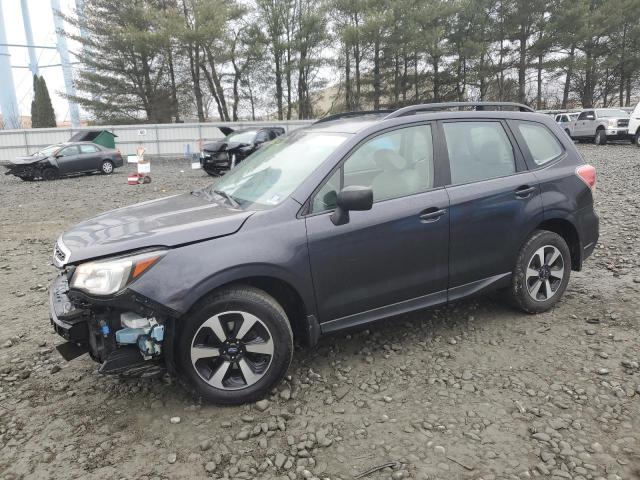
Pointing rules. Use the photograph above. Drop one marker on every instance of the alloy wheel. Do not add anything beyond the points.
(545, 272)
(232, 350)
(107, 167)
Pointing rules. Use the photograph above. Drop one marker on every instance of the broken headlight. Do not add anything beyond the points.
(106, 277)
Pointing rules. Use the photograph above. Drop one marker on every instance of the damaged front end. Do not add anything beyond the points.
(29, 167)
(121, 330)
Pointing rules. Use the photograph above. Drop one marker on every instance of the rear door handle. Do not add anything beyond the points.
(432, 214)
(524, 191)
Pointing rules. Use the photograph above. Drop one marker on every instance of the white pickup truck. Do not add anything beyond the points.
(600, 125)
(634, 125)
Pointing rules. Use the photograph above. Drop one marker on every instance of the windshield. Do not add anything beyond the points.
(242, 137)
(47, 151)
(609, 113)
(272, 173)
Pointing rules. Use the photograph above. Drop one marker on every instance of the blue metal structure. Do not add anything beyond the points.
(8, 101)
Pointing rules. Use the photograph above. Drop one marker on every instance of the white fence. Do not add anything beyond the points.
(174, 139)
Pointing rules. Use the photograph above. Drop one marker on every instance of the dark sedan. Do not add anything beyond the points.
(65, 159)
(220, 156)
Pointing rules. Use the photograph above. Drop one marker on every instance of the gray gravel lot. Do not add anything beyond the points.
(476, 390)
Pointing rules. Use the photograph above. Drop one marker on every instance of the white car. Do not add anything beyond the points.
(565, 120)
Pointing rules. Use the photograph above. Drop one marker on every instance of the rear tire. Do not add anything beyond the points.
(541, 273)
(636, 139)
(50, 173)
(601, 137)
(249, 361)
(106, 167)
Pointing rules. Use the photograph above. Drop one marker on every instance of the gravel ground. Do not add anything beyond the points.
(475, 390)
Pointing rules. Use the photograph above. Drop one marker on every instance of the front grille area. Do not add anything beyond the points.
(623, 123)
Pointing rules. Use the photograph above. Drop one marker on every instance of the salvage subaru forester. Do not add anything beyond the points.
(355, 218)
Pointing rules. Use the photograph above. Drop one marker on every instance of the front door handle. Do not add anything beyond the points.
(524, 191)
(432, 214)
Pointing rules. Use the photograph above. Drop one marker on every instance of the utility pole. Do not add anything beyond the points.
(67, 74)
(26, 20)
(8, 101)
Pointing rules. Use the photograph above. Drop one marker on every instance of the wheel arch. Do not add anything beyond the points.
(302, 319)
(568, 231)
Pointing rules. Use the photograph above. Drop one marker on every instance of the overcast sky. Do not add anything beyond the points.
(43, 34)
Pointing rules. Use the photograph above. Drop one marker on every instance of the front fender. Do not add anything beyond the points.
(263, 247)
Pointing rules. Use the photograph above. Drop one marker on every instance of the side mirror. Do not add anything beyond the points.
(354, 198)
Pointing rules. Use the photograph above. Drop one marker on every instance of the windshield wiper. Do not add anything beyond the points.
(234, 203)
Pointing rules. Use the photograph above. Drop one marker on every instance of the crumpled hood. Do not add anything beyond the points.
(27, 159)
(222, 145)
(169, 221)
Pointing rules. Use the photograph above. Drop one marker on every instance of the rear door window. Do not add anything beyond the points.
(542, 144)
(478, 151)
(88, 149)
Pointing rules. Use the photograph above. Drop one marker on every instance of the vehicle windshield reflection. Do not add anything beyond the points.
(271, 174)
(242, 137)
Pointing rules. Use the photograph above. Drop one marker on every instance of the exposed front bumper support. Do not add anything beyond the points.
(98, 330)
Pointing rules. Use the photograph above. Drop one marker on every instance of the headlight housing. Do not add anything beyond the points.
(612, 122)
(106, 277)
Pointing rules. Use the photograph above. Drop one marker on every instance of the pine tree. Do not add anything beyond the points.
(42, 114)
(35, 110)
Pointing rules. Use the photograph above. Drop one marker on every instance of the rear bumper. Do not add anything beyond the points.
(589, 226)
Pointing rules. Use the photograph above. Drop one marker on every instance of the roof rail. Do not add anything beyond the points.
(429, 107)
(338, 116)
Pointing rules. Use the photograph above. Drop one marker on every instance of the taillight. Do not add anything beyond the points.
(587, 174)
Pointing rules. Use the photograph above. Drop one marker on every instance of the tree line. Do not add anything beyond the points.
(170, 60)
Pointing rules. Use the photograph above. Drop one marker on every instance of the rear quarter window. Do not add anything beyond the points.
(543, 145)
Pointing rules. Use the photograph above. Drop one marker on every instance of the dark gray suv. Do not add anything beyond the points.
(355, 218)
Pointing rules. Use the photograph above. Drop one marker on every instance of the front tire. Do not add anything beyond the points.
(542, 272)
(50, 173)
(636, 139)
(601, 137)
(234, 346)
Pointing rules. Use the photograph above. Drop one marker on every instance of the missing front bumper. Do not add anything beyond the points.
(99, 330)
